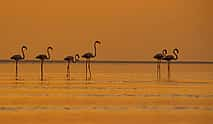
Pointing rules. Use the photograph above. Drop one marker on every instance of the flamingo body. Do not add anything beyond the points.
(17, 58)
(42, 57)
(159, 57)
(168, 58)
(88, 56)
(70, 59)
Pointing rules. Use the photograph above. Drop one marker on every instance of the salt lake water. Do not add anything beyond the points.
(118, 93)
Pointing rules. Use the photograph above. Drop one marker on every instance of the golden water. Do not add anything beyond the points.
(118, 93)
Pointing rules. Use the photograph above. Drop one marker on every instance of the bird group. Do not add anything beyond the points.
(73, 59)
(69, 59)
(163, 56)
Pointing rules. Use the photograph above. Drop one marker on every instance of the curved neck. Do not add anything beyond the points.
(164, 52)
(48, 53)
(94, 49)
(76, 58)
(23, 54)
(176, 54)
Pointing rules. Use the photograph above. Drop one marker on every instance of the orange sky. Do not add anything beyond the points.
(129, 29)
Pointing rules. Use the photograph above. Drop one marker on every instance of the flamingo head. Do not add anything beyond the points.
(24, 47)
(97, 42)
(49, 48)
(48, 51)
(176, 50)
(77, 57)
(164, 52)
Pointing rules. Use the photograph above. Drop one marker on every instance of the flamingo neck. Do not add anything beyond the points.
(95, 50)
(48, 53)
(23, 54)
(76, 58)
(164, 52)
(176, 54)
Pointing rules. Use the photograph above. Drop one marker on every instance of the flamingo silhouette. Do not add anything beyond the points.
(159, 57)
(17, 58)
(168, 58)
(88, 56)
(70, 59)
(42, 57)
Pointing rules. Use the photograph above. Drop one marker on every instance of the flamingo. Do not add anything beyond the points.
(42, 57)
(168, 58)
(19, 57)
(159, 57)
(70, 59)
(88, 56)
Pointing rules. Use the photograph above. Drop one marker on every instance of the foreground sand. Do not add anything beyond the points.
(106, 102)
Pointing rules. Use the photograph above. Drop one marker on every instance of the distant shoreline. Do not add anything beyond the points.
(109, 62)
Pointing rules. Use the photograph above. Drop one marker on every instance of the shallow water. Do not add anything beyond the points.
(117, 91)
(110, 72)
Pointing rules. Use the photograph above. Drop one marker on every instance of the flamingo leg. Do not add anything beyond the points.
(159, 70)
(42, 61)
(89, 68)
(168, 70)
(86, 69)
(68, 71)
(16, 69)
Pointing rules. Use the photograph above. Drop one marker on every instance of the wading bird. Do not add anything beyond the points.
(168, 58)
(70, 59)
(88, 56)
(19, 57)
(43, 57)
(159, 57)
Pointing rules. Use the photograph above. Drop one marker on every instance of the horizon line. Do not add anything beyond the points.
(5, 61)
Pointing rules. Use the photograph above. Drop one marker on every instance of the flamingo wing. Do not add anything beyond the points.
(87, 55)
(41, 56)
(158, 56)
(16, 57)
(169, 57)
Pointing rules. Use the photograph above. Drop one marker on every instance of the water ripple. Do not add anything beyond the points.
(113, 95)
(111, 108)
